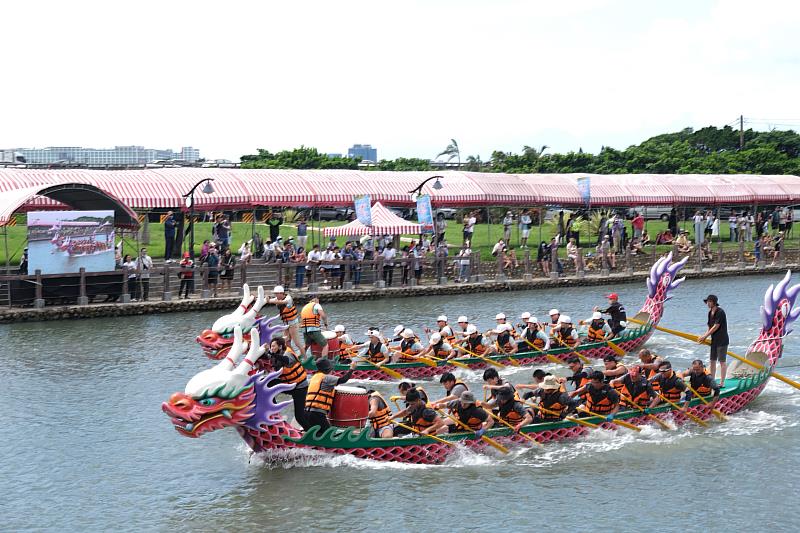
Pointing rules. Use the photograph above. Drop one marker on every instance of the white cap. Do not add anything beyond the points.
(471, 329)
(554, 312)
(339, 328)
(533, 320)
(435, 338)
(278, 289)
(503, 327)
(407, 333)
(373, 333)
(564, 319)
(399, 329)
(442, 318)
(462, 318)
(500, 316)
(597, 315)
(525, 316)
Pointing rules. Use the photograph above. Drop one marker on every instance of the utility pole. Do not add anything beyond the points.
(741, 132)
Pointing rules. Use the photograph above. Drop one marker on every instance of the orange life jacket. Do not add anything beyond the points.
(596, 333)
(476, 345)
(700, 383)
(294, 373)
(407, 353)
(509, 414)
(288, 313)
(319, 396)
(383, 416)
(597, 400)
(552, 402)
(307, 317)
(635, 392)
(670, 388)
(503, 342)
(565, 337)
(374, 352)
(474, 423)
(419, 423)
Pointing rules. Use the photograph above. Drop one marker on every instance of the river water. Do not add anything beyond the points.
(85, 446)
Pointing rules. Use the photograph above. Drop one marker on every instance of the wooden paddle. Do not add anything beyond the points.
(616, 348)
(388, 371)
(512, 428)
(570, 418)
(491, 442)
(719, 414)
(434, 437)
(484, 359)
(550, 357)
(423, 360)
(617, 422)
(572, 350)
(651, 416)
(694, 338)
(687, 413)
(449, 362)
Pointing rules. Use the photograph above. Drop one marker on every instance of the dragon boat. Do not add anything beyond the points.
(217, 341)
(228, 395)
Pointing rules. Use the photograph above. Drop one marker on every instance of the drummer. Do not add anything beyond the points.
(321, 390)
(438, 348)
(379, 416)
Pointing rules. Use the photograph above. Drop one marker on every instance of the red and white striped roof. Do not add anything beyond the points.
(384, 222)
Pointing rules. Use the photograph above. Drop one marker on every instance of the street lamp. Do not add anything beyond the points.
(189, 201)
(437, 185)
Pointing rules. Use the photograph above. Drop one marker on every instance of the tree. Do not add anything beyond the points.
(451, 152)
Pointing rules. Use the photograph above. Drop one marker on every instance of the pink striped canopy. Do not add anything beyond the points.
(384, 222)
(163, 188)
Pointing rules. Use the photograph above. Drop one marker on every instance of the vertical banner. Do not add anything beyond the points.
(425, 213)
(585, 190)
(363, 207)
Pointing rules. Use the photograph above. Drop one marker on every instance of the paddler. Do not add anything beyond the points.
(534, 335)
(289, 315)
(600, 397)
(566, 334)
(634, 388)
(444, 329)
(612, 370)
(405, 386)
(293, 373)
(423, 419)
(700, 380)
(500, 318)
(375, 350)
(668, 384)
(495, 384)
(321, 389)
(475, 343)
(438, 347)
(398, 329)
(454, 387)
(580, 375)
(504, 342)
(552, 397)
(554, 314)
(379, 416)
(469, 414)
(346, 344)
(409, 348)
(597, 328)
(617, 317)
(538, 379)
(512, 410)
(312, 317)
(463, 323)
(524, 317)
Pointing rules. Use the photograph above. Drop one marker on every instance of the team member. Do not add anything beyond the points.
(475, 343)
(601, 398)
(398, 330)
(553, 325)
(312, 316)
(613, 370)
(346, 343)
(668, 384)
(580, 375)
(463, 323)
(552, 397)
(524, 317)
(501, 320)
(634, 388)
(454, 388)
(649, 364)
(405, 386)
(409, 348)
(444, 329)
(438, 347)
(380, 416)
(495, 385)
(375, 350)
(468, 414)
(504, 342)
(598, 330)
(617, 317)
(538, 378)
(566, 334)
(718, 331)
(422, 418)
(293, 373)
(321, 389)
(511, 410)
(533, 337)
(289, 315)
(700, 380)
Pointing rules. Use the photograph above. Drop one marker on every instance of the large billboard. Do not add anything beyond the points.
(63, 242)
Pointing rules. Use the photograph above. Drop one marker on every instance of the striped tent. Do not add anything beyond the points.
(384, 222)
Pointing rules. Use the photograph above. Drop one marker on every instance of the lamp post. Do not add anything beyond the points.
(189, 201)
(416, 192)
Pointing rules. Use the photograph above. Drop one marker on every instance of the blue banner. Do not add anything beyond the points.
(585, 189)
(363, 207)
(425, 213)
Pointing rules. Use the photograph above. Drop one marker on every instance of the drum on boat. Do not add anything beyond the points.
(350, 407)
(333, 345)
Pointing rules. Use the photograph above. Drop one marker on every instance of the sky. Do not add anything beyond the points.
(406, 77)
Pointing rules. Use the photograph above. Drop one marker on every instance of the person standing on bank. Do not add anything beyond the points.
(718, 331)
(169, 236)
(143, 265)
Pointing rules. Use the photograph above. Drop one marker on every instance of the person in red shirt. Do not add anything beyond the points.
(638, 225)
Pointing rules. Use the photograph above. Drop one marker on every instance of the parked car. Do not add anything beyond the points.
(651, 212)
(448, 212)
(326, 213)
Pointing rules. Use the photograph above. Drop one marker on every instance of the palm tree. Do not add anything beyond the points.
(451, 152)
(533, 153)
(474, 163)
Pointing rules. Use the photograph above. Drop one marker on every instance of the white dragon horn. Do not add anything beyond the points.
(247, 299)
(250, 317)
(256, 351)
(237, 349)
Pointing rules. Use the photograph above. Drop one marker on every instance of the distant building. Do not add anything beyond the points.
(119, 155)
(365, 151)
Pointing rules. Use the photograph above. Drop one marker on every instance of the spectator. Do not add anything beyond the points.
(606, 252)
(23, 263)
(389, 253)
(715, 228)
(708, 228)
(288, 250)
(750, 221)
(405, 265)
(645, 238)
(464, 263)
(572, 251)
(358, 257)
(274, 222)
(441, 227)
(638, 225)
(169, 236)
(508, 220)
(498, 247)
(258, 246)
(277, 249)
(524, 228)
(616, 233)
(782, 217)
(705, 251)
(699, 227)
(672, 221)
(665, 237)
(186, 275)
(683, 244)
(130, 264)
(733, 235)
(348, 256)
(470, 219)
(302, 232)
(245, 255)
(777, 245)
(417, 254)
(143, 265)
(314, 262)
(299, 259)
(789, 219)
(337, 269)
(757, 250)
(327, 266)
(227, 264)
(510, 262)
(543, 258)
(223, 230)
(117, 255)
(204, 250)
(269, 251)
(602, 227)
(741, 226)
(212, 261)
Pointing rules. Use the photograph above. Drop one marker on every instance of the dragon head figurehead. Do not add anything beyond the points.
(226, 395)
(217, 341)
(778, 313)
(660, 283)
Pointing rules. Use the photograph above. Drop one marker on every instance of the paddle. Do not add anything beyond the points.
(500, 351)
(570, 418)
(687, 413)
(694, 338)
(717, 412)
(616, 348)
(424, 435)
(550, 357)
(512, 428)
(484, 359)
(649, 415)
(617, 422)
(572, 350)
(449, 362)
(422, 360)
(484, 438)
(388, 371)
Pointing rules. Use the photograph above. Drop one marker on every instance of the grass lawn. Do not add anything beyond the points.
(484, 237)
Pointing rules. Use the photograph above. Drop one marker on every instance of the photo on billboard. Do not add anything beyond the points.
(63, 242)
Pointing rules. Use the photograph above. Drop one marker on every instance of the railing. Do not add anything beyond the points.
(169, 281)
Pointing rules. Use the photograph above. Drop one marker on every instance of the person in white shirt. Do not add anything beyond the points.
(463, 263)
(508, 221)
(389, 254)
(524, 228)
(143, 265)
(327, 266)
(269, 251)
(498, 247)
(469, 227)
(699, 228)
(313, 261)
(245, 255)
